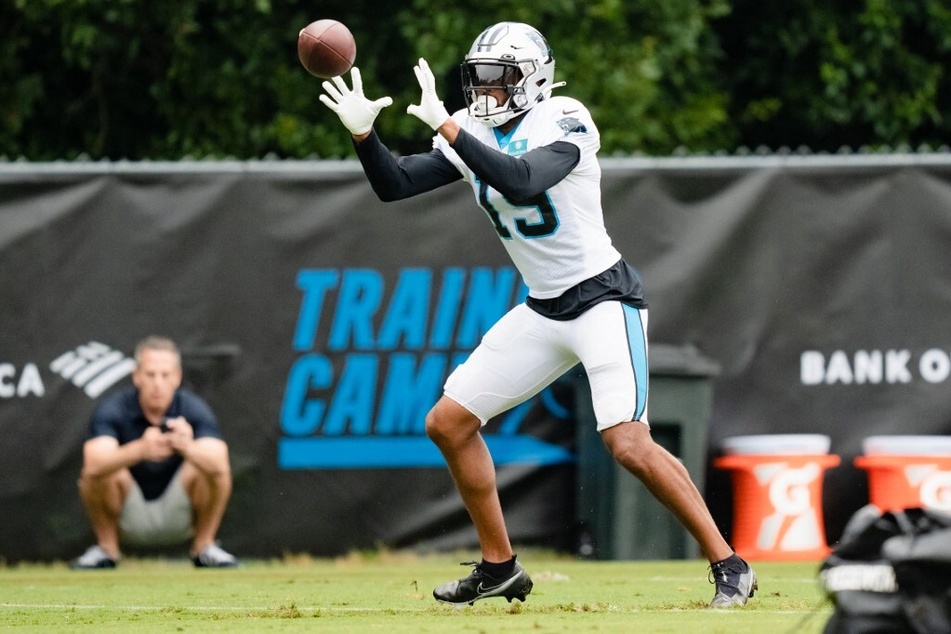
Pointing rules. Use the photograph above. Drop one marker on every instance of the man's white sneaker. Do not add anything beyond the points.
(214, 556)
(93, 559)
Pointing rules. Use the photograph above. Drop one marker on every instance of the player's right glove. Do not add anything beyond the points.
(355, 111)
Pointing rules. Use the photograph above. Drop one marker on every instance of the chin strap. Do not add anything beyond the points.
(547, 92)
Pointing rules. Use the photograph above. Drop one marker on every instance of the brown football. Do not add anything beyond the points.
(326, 48)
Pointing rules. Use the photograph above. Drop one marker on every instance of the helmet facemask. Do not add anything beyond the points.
(483, 77)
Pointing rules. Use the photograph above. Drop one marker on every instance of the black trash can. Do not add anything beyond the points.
(617, 515)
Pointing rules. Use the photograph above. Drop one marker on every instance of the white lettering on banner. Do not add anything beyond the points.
(7, 372)
(794, 525)
(873, 367)
(935, 366)
(811, 367)
(839, 370)
(94, 367)
(896, 366)
(28, 383)
(868, 366)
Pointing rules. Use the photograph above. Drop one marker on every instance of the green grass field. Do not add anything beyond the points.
(391, 592)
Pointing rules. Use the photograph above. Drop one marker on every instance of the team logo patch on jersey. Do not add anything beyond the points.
(572, 124)
(517, 147)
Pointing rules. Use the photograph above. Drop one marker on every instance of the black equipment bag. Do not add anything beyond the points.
(890, 574)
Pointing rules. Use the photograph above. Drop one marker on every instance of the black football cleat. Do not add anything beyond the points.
(735, 582)
(479, 585)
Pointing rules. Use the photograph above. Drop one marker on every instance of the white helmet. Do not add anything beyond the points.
(508, 56)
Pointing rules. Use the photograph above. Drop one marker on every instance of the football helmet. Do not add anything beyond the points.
(511, 57)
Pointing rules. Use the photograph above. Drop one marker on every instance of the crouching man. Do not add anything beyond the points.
(155, 467)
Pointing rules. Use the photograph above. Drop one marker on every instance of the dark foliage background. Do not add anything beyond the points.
(167, 79)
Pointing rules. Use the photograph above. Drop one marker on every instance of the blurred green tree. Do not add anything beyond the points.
(167, 79)
(826, 75)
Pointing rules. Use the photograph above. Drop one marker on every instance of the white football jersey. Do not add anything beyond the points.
(558, 239)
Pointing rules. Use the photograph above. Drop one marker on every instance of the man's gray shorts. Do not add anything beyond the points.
(163, 521)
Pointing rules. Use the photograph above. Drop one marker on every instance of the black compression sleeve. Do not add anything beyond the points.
(518, 178)
(397, 178)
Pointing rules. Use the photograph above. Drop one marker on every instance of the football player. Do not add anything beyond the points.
(531, 161)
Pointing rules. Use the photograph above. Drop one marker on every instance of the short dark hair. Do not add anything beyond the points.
(155, 342)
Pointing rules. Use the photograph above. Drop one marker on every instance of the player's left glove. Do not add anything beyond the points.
(430, 109)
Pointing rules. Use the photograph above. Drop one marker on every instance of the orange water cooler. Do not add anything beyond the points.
(908, 471)
(777, 495)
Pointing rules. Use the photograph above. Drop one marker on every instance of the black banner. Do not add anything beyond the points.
(321, 323)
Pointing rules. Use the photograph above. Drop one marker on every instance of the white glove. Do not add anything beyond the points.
(355, 111)
(430, 109)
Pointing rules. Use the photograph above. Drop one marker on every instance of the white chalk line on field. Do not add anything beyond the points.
(196, 608)
(337, 609)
